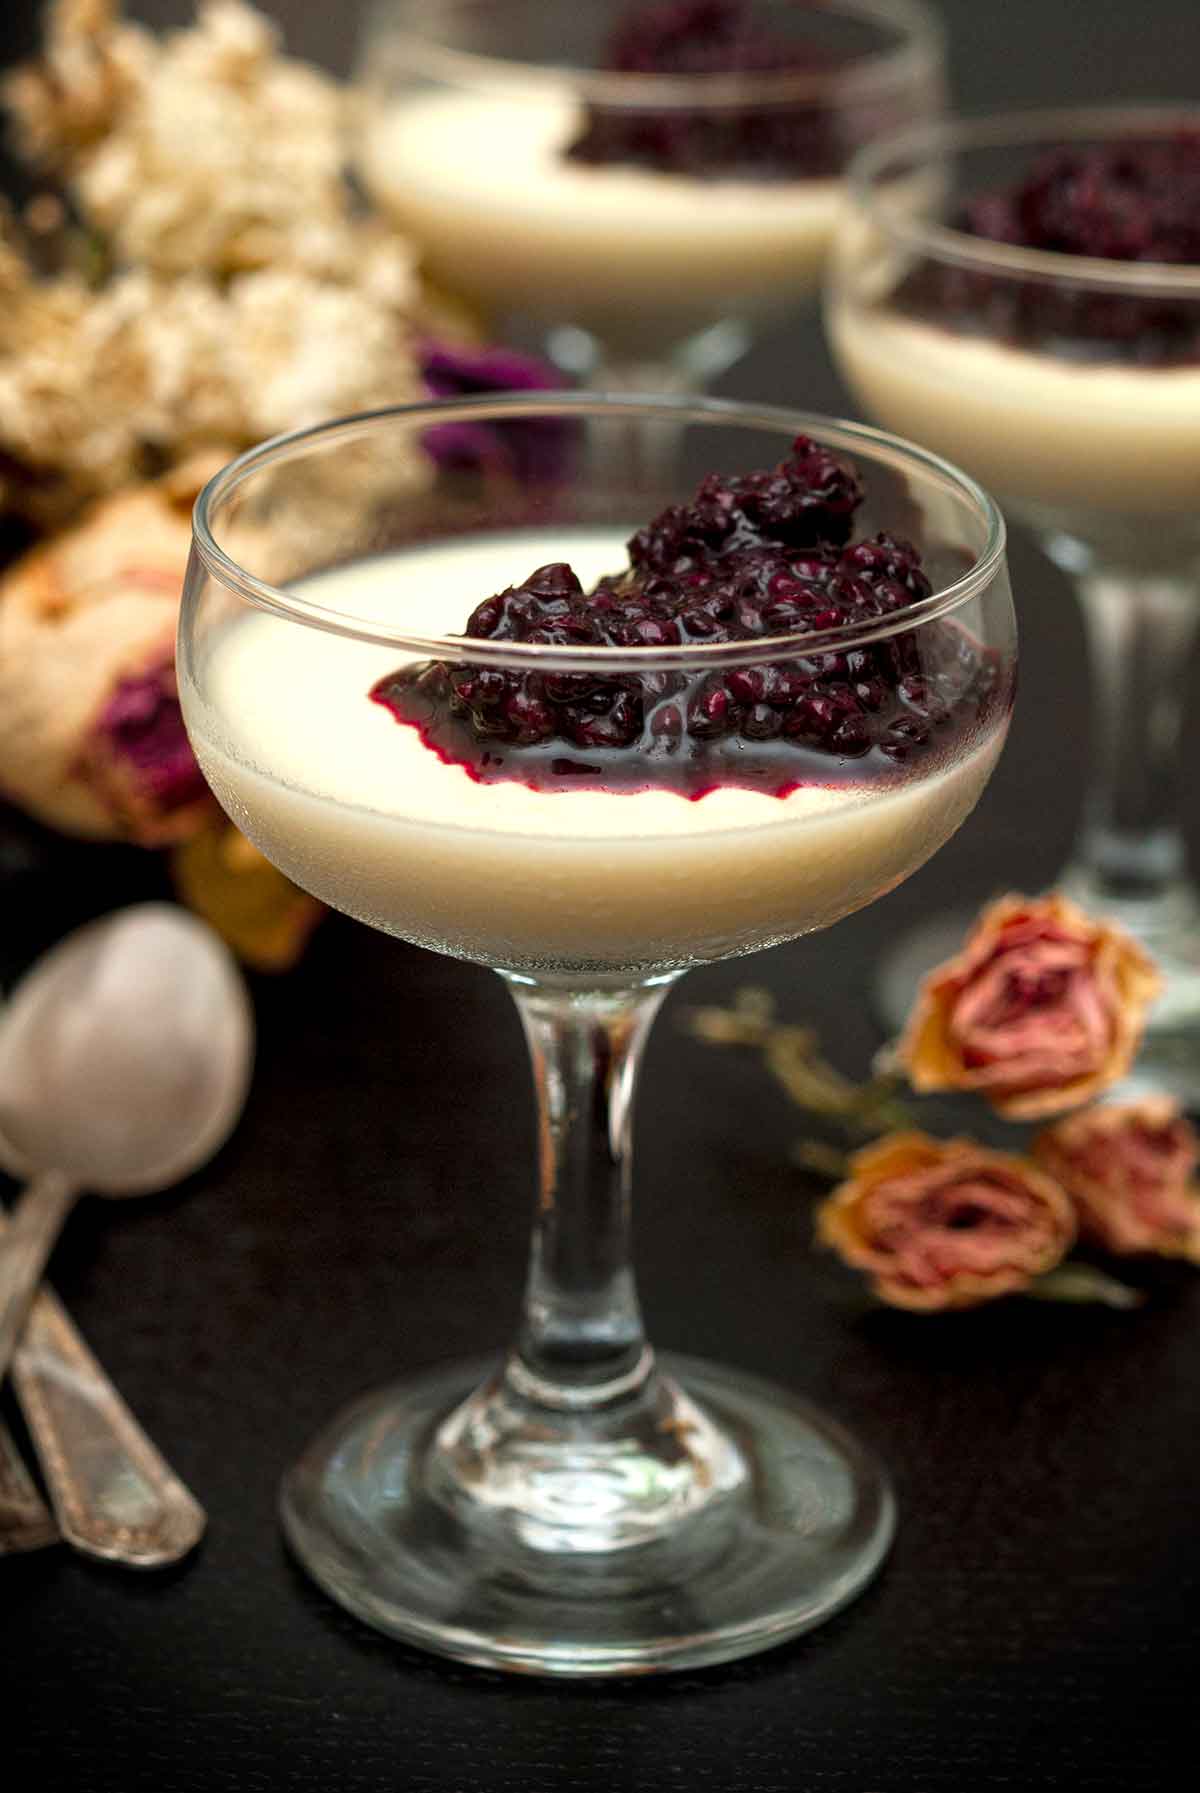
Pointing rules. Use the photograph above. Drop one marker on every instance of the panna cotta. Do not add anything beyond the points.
(1069, 386)
(1045, 432)
(639, 257)
(364, 813)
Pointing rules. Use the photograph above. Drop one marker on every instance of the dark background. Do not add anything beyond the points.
(1035, 1626)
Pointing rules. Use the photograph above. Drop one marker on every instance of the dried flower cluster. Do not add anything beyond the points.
(194, 276)
(1041, 1012)
(205, 152)
(227, 287)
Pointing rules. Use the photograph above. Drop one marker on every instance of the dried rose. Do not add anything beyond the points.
(945, 1223)
(91, 738)
(1043, 1008)
(527, 448)
(1128, 1167)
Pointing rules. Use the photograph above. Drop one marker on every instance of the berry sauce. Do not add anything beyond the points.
(1131, 201)
(763, 554)
(711, 37)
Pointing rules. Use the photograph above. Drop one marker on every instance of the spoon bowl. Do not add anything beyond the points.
(125, 1054)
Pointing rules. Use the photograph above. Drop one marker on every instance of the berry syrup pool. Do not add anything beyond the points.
(357, 809)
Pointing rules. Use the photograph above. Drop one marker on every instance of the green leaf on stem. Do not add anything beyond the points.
(828, 1161)
(794, 1059)
(1083, 1282)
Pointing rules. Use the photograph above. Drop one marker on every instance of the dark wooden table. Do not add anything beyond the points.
(1035, 1626)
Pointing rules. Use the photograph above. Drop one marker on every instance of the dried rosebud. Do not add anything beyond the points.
(945, 1223)
(1043, 1008)
(1128, 1167)
(91, 739)
(529, 449)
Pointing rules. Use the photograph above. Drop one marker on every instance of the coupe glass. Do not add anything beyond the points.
(632, 279)
(1071, 386)
(578, 1508)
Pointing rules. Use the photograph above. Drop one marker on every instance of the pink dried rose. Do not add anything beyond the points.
(1042, 1009)
(1129, 1168)
(91, 738)
(946, 1223)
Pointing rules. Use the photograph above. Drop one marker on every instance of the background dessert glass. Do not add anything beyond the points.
(579, 1509)
(630, 277)
(1071, 386)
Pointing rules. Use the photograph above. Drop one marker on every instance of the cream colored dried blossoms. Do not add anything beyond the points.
(246, 294)
(205, 151)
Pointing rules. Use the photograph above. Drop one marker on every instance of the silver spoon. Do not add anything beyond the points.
(25, 1521)
(125, 1057)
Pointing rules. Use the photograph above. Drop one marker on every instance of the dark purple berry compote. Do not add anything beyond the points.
(750, 557)
(767, 140)
(1126, 201)
(1123, 201)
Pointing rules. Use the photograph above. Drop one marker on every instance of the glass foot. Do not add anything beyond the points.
(792, 1540)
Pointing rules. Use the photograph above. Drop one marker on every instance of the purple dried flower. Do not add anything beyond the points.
(143, 736)
(531, 449)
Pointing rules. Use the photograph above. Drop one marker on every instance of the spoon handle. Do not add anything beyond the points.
(114, 1495)
(25, 1521)
(33, 1227)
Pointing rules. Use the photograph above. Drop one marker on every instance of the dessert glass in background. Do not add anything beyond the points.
(1069, 384)
(580, 1509)
(694, 208)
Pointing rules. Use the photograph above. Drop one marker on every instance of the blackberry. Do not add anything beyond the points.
(1124, 201)
(748, 558)
(1131, 201)
(766, 140)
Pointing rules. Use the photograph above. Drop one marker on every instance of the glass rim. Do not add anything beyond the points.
(921, 46)
(832, 432)
(880, 160)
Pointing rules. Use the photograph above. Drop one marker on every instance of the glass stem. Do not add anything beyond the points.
(579, 1442)
(640, 457)
(1141, 630)
(645, 458)
(581, 1339)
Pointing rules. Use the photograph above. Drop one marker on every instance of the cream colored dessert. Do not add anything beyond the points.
(354, 807)
(1043, 432)
(643, 259)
